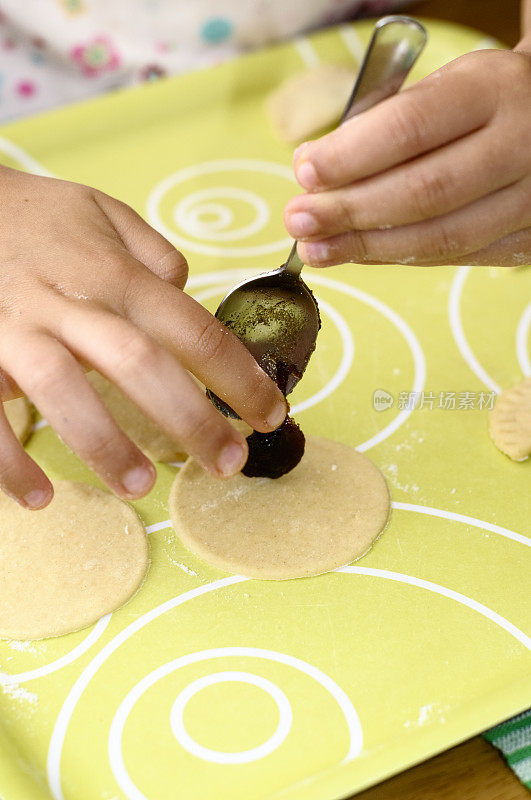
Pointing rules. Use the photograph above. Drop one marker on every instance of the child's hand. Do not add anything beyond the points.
(439, 174)
(83, 279)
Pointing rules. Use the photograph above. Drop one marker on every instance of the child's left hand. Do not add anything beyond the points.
(439, 174)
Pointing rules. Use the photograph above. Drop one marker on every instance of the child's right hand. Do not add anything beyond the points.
(84, 280)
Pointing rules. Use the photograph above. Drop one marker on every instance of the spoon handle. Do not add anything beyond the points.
(395, 45)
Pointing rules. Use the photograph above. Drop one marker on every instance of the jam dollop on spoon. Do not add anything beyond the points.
(275, 315)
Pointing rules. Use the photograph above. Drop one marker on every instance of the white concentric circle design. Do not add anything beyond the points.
(454, 313)
(242, 756)
(91, 638)
(451, 515)
(223, 217)
(463, 599)
(189, 214)
(53, 769)
(117, 726)
(347, 343)
(522, 334)
(229, 277)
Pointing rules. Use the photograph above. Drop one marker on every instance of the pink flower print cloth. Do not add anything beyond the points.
(96, 56)
(58, 51)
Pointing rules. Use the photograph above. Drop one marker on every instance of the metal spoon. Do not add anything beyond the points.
(275, 315)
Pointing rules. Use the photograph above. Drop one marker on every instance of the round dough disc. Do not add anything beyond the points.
(64, 567)
(151, 439)
(19, 416)
(322, 515)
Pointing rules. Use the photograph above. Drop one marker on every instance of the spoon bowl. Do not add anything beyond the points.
(277, 318)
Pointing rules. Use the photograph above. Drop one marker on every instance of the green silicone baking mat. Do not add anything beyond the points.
(212, 686)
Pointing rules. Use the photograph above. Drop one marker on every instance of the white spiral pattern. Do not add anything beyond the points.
(190, 214)
(193, 231)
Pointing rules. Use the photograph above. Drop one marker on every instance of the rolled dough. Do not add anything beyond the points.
(154, 442)
(510, 421)
(310, 101)
(19, 416)
(323, 514)
(64, 567)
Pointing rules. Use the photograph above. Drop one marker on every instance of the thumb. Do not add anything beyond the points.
(144, 242)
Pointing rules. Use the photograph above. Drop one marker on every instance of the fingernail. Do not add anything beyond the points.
(316, 251)
(36, 498)
(298, 150)
(138, 480)
(277, 415)
(306, 175)
(231, 459)
(302, 224)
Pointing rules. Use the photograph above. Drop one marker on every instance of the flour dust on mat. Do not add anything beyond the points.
(510, 421)
(19, 416)
(323, 514)
(65, 566)
(148, 436)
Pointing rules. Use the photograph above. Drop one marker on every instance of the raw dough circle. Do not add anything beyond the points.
(324, 514)
(510, 421)
(309, 101)
(64, 567)
(19, 416)
(151, 439)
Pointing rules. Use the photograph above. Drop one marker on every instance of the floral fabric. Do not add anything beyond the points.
(57, 51)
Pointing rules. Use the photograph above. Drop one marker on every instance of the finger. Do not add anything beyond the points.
(510, 251)
(20, 477)
(202, 344)
(429, 186)
(397, 129)
(154, 379)
(437, 241)
(144, 242)
(51, 377)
